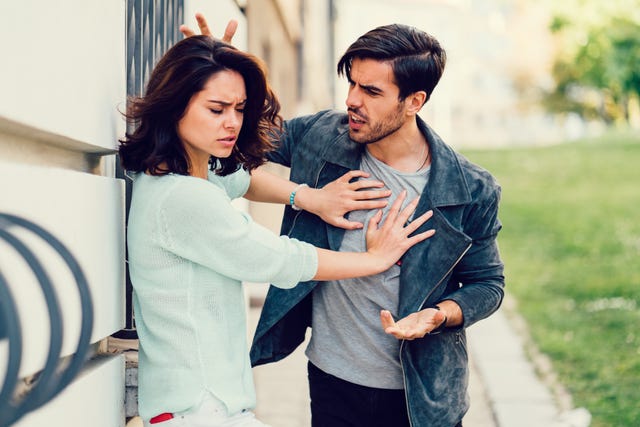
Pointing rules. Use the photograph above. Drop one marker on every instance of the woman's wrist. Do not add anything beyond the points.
(302, 197)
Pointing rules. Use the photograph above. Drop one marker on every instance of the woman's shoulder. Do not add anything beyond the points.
(235, 184)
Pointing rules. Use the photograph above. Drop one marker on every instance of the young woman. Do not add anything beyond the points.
(201, 129)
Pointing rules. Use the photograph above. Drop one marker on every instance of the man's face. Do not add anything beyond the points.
(372, 103)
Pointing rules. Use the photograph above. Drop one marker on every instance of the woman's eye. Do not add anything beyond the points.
(216, 111)
(240, 110)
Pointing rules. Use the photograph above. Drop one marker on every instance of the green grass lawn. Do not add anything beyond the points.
(571, 247)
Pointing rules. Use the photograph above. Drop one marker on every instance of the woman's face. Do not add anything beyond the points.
(213, 118)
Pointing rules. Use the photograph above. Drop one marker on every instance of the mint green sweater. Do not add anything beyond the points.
(189, 251)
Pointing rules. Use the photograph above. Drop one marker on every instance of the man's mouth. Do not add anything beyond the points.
(356, 118)
(355, 122)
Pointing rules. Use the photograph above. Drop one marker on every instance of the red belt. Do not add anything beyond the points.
(166, 416)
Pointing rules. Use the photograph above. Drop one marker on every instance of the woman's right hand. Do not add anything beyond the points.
(389, 241)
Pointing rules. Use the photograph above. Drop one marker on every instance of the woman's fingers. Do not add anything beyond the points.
(374, 221)
(394, 210)
(405, 214)
(417, 222)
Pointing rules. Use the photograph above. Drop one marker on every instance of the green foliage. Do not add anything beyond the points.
(597, 69)
(571, 246)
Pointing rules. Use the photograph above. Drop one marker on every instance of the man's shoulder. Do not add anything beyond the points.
(324, 118)
(475, 171)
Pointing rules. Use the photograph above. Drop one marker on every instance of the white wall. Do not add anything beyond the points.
(64, 68)
(62, 84)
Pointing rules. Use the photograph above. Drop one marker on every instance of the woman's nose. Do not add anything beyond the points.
(232, 121)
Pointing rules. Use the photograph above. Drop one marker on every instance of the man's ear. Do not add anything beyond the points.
(415, 101)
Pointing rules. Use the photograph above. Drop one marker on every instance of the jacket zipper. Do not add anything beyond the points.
(404, 381)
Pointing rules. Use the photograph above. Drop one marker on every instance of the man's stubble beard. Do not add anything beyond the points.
(382, 129)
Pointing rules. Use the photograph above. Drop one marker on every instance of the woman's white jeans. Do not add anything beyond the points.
(210, 413)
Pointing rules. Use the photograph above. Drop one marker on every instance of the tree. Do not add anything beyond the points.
(597, 67)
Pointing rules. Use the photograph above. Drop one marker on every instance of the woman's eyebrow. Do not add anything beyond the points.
(226, 103)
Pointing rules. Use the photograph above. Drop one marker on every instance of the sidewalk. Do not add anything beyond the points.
(504, 389)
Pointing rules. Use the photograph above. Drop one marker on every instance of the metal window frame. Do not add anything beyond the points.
(152, 28)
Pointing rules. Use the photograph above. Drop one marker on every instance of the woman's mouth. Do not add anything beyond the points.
(228, 141)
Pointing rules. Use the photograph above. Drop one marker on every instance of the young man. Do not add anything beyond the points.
(413, 372)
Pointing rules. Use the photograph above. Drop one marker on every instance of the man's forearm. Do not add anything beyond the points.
(453, 312)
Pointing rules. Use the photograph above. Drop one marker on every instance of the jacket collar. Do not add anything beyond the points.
(446, 180)
(342, 150)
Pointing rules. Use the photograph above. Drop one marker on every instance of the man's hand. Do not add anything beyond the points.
(229, 32)
(415, 325)
(333, 201)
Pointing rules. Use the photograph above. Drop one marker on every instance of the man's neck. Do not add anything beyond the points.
(405, 150)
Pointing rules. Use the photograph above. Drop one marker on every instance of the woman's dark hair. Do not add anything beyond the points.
(416, 58)
(181, 73)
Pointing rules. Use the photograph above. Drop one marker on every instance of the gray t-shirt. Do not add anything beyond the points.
(347, 340)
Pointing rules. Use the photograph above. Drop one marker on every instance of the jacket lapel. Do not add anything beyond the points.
(339, 157)
(446, 187)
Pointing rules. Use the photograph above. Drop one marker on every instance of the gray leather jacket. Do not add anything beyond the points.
(460, 262)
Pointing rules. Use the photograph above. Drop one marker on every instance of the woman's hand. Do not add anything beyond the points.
(385, 244)
(227, 37)
(390, 241)
(333, 201)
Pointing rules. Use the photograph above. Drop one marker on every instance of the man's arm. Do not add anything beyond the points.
(480, 272)
(421, 323)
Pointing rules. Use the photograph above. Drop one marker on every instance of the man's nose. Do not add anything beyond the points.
(354, 98)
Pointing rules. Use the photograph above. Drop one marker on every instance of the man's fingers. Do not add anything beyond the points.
(386, 319)
(230, 31)
(202, 24)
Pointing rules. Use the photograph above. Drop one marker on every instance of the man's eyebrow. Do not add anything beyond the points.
(371, 88)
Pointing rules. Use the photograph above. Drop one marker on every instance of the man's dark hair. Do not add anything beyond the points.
(416, 58)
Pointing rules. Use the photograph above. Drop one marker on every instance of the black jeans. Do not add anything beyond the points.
(339, 403)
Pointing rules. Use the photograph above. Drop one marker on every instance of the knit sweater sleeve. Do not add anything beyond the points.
(197, 222)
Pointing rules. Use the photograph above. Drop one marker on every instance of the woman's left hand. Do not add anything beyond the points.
(391, 240)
